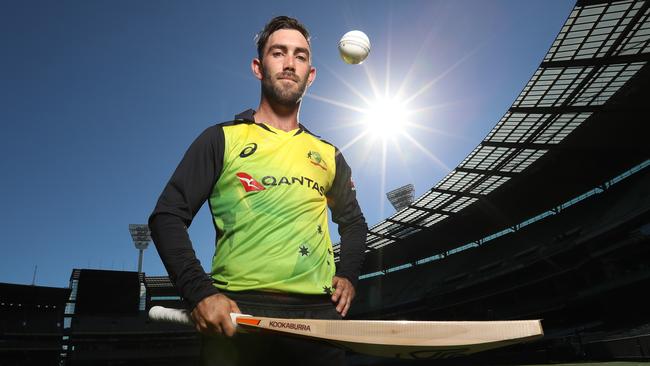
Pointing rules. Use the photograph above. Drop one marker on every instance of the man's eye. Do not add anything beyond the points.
(301, 58)
(277, 54)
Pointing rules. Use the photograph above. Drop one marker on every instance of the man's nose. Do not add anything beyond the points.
(289, 63)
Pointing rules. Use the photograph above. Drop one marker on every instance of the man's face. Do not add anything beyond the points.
(285, 69)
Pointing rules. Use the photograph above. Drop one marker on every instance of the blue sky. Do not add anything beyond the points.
(100, 99)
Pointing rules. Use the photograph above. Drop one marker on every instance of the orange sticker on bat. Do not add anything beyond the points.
(248, 321)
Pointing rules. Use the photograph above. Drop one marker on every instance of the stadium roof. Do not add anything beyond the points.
(572, 127)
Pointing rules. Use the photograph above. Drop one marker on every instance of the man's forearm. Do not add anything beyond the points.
(353, 250)
(175, 249)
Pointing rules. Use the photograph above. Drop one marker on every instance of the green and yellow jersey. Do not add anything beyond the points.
(269, 191)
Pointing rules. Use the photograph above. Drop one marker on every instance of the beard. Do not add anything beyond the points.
(283, 92)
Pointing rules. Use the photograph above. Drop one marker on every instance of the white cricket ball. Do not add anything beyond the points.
(354, 47)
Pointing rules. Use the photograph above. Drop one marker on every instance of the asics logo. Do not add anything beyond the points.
(248, 150)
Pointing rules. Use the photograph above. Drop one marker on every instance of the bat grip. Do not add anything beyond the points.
(180, 316)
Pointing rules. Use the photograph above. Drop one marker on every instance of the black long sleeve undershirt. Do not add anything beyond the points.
(187, 190)
(352, 226)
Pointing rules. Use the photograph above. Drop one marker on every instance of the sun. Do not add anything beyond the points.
(385, 118)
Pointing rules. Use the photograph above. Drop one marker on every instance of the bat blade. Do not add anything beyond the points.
(404, 339)
(399, 339)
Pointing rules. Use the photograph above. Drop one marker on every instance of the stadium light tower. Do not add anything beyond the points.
(401, 197)
(141, 237)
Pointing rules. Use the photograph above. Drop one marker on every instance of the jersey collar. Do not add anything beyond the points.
(247, 116)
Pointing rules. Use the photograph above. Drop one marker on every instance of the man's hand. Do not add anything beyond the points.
(212, 315)
(343, 295)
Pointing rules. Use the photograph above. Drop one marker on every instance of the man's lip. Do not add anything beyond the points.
(288, 78)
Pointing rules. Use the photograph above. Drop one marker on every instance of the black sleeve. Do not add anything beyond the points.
(189, 187)
(346, 213)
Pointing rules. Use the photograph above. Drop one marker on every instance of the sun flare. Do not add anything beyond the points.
(385, 118)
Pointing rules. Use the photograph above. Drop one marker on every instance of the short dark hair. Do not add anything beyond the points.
(277, 23)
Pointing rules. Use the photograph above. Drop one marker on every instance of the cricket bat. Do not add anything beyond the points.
(385, 338)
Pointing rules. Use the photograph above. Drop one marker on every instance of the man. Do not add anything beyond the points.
(268, 182)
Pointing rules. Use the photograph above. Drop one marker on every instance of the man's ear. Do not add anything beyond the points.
(312, 75)
(256, 67)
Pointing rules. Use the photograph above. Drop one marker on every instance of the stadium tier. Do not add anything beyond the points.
(31, 324)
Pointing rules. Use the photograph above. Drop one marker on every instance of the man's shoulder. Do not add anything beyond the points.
(216, 133)
(243, 118)
(219, 126)
(230, 123)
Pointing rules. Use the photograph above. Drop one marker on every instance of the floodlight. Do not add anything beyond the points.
(401, 197)
(141, 236)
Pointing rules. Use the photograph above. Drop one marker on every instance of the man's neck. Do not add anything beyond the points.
(277, 116)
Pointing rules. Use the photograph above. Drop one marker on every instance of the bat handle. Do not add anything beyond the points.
(181, 316)
(234, 316)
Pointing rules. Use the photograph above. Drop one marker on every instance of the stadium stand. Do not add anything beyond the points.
(582, 271)
(31, 324)
(109, 325)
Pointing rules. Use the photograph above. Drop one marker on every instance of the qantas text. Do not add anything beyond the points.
(273, 181)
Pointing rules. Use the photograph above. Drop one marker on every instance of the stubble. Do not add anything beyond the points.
(281, 91)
